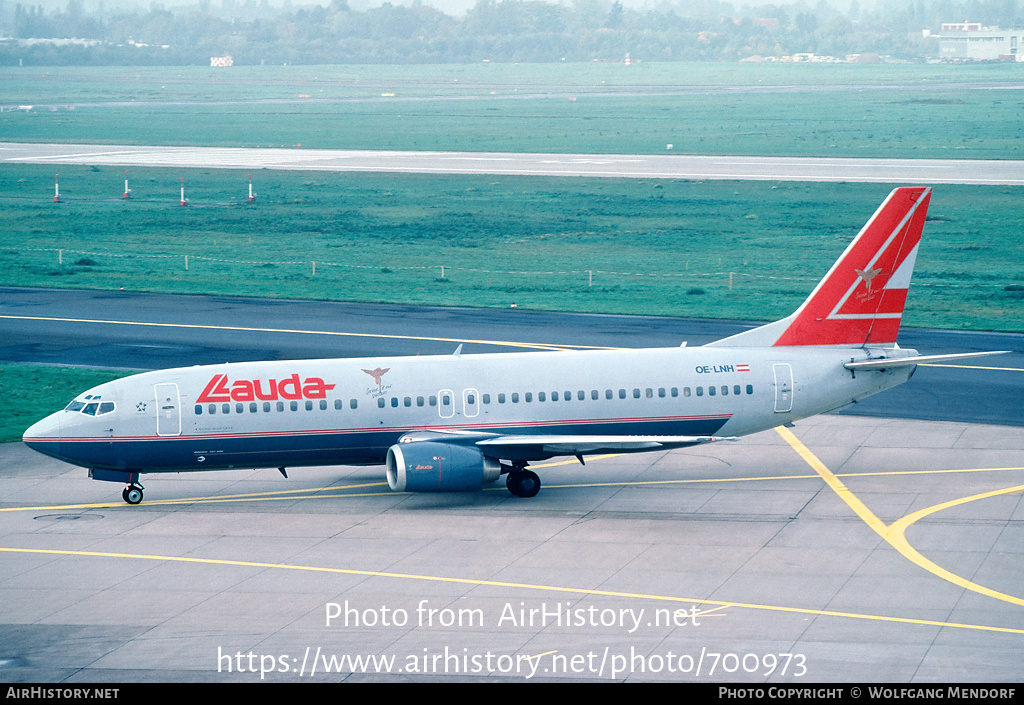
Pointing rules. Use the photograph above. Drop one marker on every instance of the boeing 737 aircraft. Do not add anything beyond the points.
(455, 422)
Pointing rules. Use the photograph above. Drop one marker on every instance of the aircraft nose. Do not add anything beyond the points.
(44, 435)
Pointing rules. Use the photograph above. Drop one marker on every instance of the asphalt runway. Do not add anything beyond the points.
(847, 549)
(658, 166)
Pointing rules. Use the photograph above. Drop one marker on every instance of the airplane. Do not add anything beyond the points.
(446, 423)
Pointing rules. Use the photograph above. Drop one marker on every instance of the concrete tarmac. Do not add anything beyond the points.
(854, 549)
(734, 562)
(657, 166)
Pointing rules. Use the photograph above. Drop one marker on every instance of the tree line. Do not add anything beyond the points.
(254, 32)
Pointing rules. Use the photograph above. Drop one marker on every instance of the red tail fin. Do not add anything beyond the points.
(860, 301)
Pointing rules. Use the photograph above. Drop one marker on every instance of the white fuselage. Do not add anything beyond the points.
(350, 411)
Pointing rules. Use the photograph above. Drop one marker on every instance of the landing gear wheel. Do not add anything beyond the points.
(132, 494)
(523, 483)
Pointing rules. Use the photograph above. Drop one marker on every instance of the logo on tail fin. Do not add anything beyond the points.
(867, 275)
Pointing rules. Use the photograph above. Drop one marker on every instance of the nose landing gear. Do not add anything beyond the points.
(132, 494)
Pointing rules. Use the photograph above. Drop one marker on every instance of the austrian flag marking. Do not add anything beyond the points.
(220, 388)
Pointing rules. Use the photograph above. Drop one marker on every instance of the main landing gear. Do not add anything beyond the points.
(522, 482)
(132, 494)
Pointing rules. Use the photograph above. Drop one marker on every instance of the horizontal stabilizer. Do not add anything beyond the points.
(888, 363)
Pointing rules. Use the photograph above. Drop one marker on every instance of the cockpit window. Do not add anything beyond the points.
(91, 408)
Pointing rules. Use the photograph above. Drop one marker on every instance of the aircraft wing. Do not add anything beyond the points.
(576, 445)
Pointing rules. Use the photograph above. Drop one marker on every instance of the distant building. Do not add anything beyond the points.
(961, 26)
(969, 41)
(226, 60)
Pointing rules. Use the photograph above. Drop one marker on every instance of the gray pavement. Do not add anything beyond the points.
(763, 573)
(658, 166)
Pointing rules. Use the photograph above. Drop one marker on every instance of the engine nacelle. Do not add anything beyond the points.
(432, 466)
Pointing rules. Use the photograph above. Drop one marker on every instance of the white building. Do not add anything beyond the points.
(971, 42)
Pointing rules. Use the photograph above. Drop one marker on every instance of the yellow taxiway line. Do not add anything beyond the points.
(505, 584)
(894, 534)
(247, 329)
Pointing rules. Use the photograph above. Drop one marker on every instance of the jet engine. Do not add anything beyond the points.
(432, 466)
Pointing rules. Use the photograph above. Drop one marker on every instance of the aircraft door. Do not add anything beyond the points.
(446, 403)
(470, 402)
(168, 409)
(783, 387)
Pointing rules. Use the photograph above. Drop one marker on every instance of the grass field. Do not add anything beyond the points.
(798, 110)
(721, 249)
(598, 245)
(37, 390)
(68, 84)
